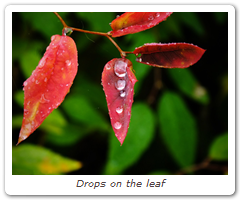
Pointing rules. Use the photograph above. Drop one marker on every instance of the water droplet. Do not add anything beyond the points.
(43, 99)
(53, 46)
(139, 59)
(47, 48)
(24, 137)
(150, 17)
(33, 123)
(33, 71)
(117, 16)
(108, 67)
(120, 85)
(33, 79)
(36, 81)
(68, 62)
(42, 62)
(122, 94)
(157, 14)
(53, 37)
(50, 108)
(117, 125)
(56, 105)
(67, 85)
(67, 31)
(25, 83)
(45, 80)
(120, 68)
(119, 110)
(108, 83)
(62, 68)
(26, 111)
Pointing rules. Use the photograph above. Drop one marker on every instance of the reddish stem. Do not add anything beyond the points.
(108, 35)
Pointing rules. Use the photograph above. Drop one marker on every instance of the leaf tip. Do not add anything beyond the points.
(121, 140)
(20, 139)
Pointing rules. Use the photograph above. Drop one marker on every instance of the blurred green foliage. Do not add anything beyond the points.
(31, 159)
(179, 116)
(177, 128)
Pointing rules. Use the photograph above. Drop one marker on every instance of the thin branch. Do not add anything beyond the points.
(90, 32)
(122, 53)
(157, 85)
(206, 164)
(60, 18)
(108, 35)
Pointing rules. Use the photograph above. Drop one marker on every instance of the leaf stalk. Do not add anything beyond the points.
(108, 35)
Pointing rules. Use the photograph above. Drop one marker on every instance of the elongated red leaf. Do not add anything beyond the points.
(133, 22)
(49, 83)
(118, 81)
(172, 55)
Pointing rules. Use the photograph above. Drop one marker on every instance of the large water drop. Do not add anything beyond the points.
(120, 85)
(117, 125)
(120, 68)
(119, 110)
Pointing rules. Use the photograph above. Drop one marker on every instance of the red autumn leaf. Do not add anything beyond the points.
(173, 55)
(49, 83)
(133, 22)
(118, 81)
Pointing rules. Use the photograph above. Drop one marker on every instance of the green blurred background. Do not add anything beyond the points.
(179, 122)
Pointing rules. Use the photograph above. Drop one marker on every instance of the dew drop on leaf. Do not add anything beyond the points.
(150, 17)
(139, 59)
(53, 37)
(122, 94)
(42, 62)
(43, 99)
(26, 111)
(120, 68)
(119, 110)
(120, 85)
(108, 67)
(117, 125)
(68, 62)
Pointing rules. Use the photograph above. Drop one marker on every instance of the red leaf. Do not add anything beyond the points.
(133, 22)
(173, 55)
(49, 83)
(118, 81)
